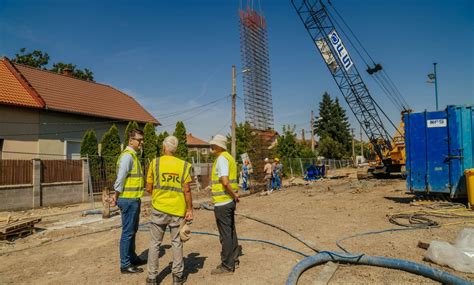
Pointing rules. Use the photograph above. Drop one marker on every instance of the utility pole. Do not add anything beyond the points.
(436, 85)
(234, 95)
(312, 131)
(353, 147)
(302, 137)
(361, 143)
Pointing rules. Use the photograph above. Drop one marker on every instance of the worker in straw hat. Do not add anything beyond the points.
(223, 187)
(168, 181)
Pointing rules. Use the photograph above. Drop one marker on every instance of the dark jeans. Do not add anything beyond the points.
(130, 210)
(228, 236)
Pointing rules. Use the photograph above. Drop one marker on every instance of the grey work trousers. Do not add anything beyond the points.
(159, 221)
(225, 220)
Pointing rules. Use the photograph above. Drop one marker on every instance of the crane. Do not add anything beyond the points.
(317, 21)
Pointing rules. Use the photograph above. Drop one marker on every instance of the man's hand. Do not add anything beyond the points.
(113, 201)
(236, 197)
(189, 215)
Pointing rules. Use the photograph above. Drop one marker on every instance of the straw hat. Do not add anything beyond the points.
(220, 141)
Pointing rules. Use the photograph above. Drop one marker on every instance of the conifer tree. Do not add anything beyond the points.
(89, 145)
(180, 134)
(131, 126)
(159, 142)
(111, 143)
(149, 142)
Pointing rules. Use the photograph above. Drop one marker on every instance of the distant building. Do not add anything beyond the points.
(197, 145)
(45, 114)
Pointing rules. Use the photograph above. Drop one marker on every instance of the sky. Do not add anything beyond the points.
(173, 56)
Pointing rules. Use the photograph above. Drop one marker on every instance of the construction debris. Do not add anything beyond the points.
(13, 228)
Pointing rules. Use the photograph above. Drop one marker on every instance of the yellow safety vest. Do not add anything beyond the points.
(219, 194)
(170, 176)
(133, 186)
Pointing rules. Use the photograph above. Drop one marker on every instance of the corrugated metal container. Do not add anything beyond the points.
(439, 147)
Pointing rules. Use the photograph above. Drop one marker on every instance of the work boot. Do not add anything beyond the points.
(221, 270)
(178, 280)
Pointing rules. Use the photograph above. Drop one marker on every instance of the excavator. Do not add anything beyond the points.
(320, 22)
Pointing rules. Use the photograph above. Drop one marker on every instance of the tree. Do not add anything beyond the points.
(149, 142)
(333, 123)
(89, 149)
(159, 142)
(59, 67)
(131, 126)
(287, 146)
(330, 148)
(180, 134)
(111, 143)
(39, 59)
(342, 126)
(246, 140)
(36, 58)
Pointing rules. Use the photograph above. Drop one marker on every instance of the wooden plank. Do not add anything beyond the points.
(326, 273)
(30, 222)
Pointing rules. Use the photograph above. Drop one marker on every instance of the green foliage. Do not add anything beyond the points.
(36, 58)
(287, 146)
(159, 142)
(85, 74)
(89, 148)
(131, 126)
(306, 152)
(111, 143)
(40, 59)
(246, 140)
(89, 144)
(333, 123)
(180, 134)
(149, 142)
(330, 148)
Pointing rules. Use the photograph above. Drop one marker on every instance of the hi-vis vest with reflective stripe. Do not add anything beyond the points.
(170, 176)
(134, 182)
(219, 195)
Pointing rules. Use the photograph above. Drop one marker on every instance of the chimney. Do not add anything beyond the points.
(67, 71)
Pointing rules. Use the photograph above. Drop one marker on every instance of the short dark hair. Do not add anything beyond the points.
(134, 132)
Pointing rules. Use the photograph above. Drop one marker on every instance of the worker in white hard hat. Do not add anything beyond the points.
(268, 171)
(172, 205)
(224, 186)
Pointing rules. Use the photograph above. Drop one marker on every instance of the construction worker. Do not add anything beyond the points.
(277, 174)
(223, 187)
(245, 175)
(267, 169)
(168, 181)
(128, 191)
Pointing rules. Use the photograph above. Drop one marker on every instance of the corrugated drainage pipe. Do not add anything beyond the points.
(412, 267)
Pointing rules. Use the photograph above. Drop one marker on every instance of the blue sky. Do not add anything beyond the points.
(175, 55)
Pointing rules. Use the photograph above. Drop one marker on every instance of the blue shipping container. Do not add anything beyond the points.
(439, 147)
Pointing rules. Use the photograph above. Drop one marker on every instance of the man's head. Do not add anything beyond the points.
(277, 160)
(135, 139)
(218, 144)
(170, 144)
(246, 162)
(266, 159)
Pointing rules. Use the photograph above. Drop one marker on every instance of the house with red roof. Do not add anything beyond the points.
(197, 147)
(45, 114)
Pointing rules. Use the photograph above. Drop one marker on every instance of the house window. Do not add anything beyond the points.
(204, 151)
(73, 150)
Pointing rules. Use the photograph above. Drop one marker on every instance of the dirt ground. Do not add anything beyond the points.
(65, 252)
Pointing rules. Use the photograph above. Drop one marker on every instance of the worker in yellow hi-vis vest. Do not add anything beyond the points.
(224, 185)
(129, 188)
(168, 181)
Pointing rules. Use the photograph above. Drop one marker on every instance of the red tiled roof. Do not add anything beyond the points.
(67, 94)
(192, 140)
(14, 91)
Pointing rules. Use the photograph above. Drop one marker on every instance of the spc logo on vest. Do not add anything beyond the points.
(170, 177)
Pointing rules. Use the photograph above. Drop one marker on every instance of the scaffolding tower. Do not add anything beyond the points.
(256, 83)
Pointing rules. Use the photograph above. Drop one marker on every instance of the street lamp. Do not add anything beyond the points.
(234, 95)
(434, 79)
